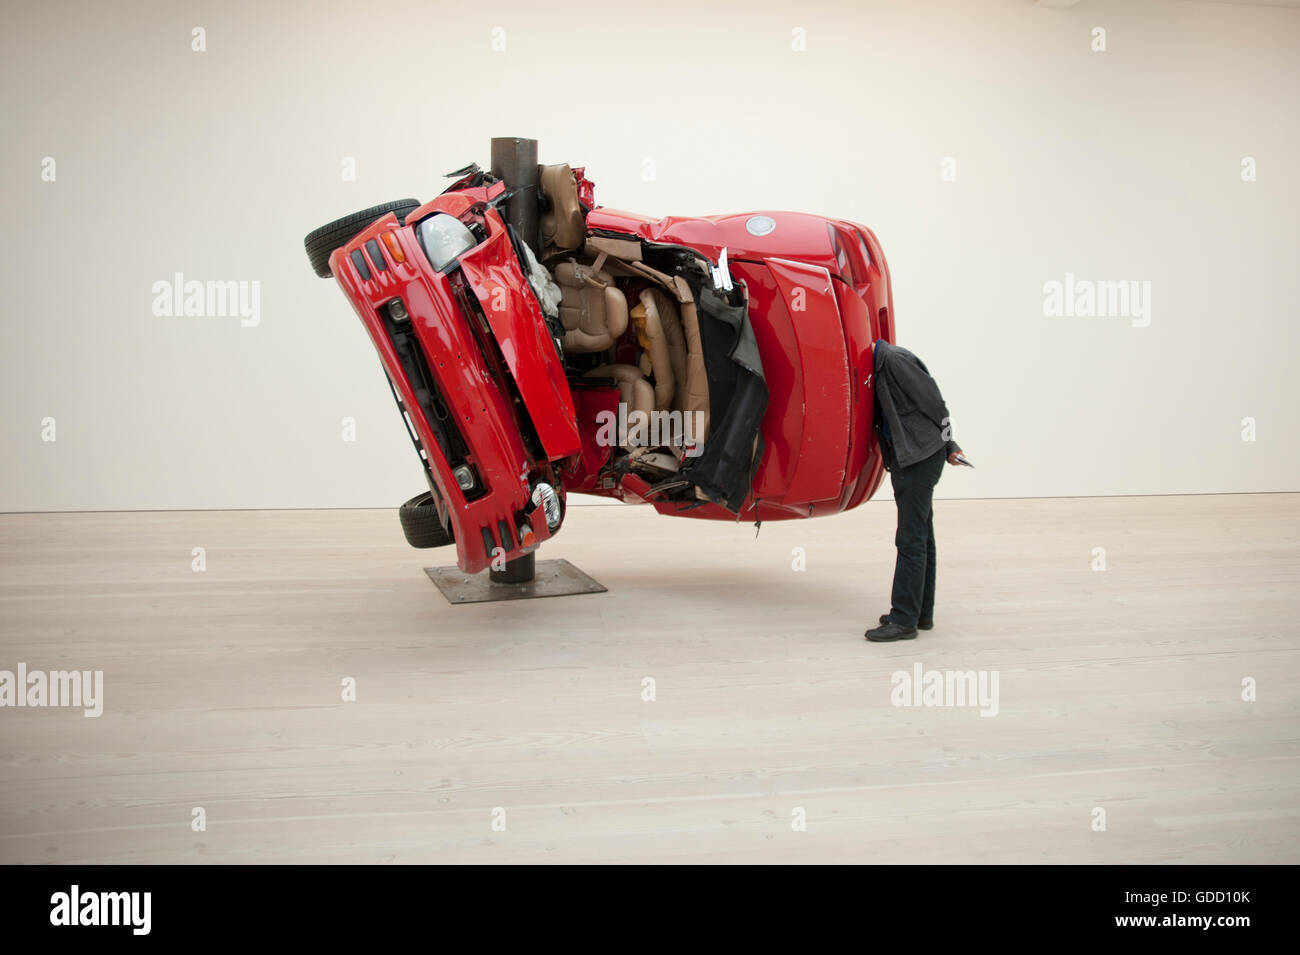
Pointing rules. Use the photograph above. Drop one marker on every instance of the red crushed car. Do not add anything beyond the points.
(540, 345)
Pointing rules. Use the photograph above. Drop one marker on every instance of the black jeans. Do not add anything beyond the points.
(913, 595)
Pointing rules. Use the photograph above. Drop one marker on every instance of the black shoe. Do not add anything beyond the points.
(920, 624)
(891, 632)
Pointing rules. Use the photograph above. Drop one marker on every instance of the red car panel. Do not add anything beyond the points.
(810, 300)
(520, 329)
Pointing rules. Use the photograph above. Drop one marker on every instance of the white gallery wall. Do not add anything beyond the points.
(989, 144)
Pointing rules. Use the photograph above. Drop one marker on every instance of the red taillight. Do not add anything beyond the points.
(851, 255)
(843, 263)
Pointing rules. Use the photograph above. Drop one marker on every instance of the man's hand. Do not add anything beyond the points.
(952, 458)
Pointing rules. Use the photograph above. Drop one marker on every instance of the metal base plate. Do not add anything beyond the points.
(553, 578)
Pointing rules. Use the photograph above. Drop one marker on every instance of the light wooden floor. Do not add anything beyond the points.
(1118, 689)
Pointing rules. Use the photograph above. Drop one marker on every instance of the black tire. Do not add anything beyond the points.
(323, 241)
(420, 523)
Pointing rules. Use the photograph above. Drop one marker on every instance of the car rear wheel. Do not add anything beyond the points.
(322, 242)
(420, 522)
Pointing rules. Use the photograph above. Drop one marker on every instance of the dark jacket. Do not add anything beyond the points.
(911, 418)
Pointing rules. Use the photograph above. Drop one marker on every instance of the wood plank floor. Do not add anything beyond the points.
(1119, 690)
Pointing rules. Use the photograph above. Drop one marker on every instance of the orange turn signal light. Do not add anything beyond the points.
(527, 539)
(394, 249)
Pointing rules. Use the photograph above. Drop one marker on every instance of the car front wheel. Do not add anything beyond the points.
(322, 242)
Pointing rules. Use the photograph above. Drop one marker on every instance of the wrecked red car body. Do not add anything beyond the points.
(714, 367)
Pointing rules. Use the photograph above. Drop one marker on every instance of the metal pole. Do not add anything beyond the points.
(514, 160)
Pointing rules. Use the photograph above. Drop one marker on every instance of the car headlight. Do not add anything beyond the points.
(444, 237)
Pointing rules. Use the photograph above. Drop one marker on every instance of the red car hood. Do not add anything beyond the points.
(512, 311)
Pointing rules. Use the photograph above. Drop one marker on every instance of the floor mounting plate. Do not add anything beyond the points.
(553, 578)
